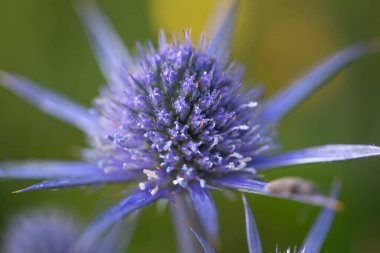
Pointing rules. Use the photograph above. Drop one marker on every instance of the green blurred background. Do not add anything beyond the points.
(275, 39)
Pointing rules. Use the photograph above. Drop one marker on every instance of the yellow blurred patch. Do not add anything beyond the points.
(175, 16)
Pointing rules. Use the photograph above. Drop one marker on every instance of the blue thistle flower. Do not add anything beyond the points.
(54, 231)
(40, 232)
(175, 119)
(312, 243)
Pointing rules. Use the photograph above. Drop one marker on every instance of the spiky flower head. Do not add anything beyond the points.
(51, 230)
(180, 118)
(41, 232)
(176, 119)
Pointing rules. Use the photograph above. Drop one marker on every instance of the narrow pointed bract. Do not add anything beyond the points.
(44, 169)
(300, 89)
(222, 29)
(49, 102)
(205, 245)
(109, 49)
(181, 219)
(253, 238)
(318, 232)
(132, 203)
(93, 179)
(205, 208)
(328, 153)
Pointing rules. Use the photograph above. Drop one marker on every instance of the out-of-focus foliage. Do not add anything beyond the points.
(275, 39)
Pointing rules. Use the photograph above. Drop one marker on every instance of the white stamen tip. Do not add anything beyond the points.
(243, 127)
(237, 155)
(154, 190)
(142, 186)
(252, 104)
(151, 174)
(231, 166)
(181, 181)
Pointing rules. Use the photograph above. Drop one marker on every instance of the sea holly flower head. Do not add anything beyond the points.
(50, 230)
(40, 232)
(175, 119)
(181, 121)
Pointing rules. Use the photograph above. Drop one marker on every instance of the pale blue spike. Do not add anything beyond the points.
(253, 238)
(44, 169)
(222, 27)
(318, 232)
(205, 209)
(302, 87)
(94, 179)
(205, 245)
(49, 102)
(181, 219)
(111, 54)
(116, 213)
(327, 153)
